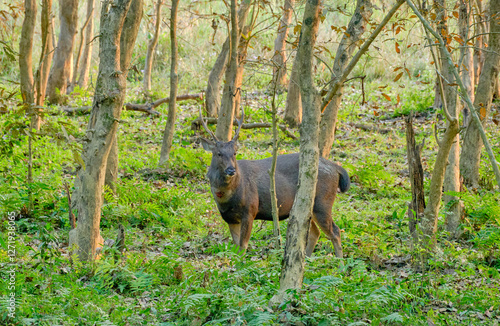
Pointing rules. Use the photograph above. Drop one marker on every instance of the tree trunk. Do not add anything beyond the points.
(26, 56)
(46, 55)
(292, 270)
(83, 77)
(60, 73)
(168, 134)
(242, 55)
(212, 100)
(103, 123)
(481, 39)
(151, 51)
(466, 55)
(293, 106)
(355, 29)
(472, 145)
(127, 41)
(272, 170)
(226, 114)
(450, 103)
(417, 205)
(279, 59)
(430, 217)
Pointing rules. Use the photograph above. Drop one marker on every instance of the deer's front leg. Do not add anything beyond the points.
(245, 231)
(235, 233)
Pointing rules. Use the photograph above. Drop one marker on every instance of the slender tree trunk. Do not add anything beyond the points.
(452, 174)
(472, 145)
(151, 51)
(430, 217)
(84, 72)
(103, 123)
(417, 205)
(466, 54)
(168, 134)
(293, 106)
(226, 114)
(481, 39)
(272, 170)
(292, 270)
(127, 41)
(60, 73)
(88, 21)
(279, 58)
(212, 100)
(347, 46)
(242, 55)
(26, 56)
(46, 55)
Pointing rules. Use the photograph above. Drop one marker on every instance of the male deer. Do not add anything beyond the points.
(241, 190)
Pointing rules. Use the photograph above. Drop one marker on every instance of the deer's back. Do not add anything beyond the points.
(287, 174)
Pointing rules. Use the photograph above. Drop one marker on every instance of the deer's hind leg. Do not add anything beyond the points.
(324, 220)
(312, 238)
(235, 230)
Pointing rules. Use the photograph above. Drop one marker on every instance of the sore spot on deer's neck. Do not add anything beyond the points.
(219, 194)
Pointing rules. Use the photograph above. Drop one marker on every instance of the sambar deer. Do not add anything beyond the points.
(241, 190)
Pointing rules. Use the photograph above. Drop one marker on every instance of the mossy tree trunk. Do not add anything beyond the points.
(292, 270)
(103, 123)
(127, 40)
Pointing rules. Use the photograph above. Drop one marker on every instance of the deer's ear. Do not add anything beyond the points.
(208, 145)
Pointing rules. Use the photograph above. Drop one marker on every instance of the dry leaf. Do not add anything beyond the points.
(387, 96)
(397, 48)
(397, 77)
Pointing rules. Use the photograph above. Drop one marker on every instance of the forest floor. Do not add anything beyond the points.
(180, 267)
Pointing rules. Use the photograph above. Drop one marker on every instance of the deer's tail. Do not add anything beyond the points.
(344, 181)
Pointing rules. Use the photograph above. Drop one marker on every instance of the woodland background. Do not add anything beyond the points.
(173, 262)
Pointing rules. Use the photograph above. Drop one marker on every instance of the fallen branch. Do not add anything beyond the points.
(196, 123)
(146, 107)
(370, 128)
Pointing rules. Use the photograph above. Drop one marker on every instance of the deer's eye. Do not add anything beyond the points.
(220, 155)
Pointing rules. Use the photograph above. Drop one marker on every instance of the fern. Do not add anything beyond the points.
(261, 318)
(195, 300)
(393, 318)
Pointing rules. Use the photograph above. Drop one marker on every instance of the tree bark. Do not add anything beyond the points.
(60, 73)
(292, 270)
(430, 217)
(293, 106)
(355, 29)
(212, 99)
(272, 170)
(168, 134)
(452, 173)
(85, 36)
(26, 56)
(84, 72)
(466, 54)
(127, 41)
(279, 59)
(481, 39)
(103, 123)
(151, 51)
(417, 205)
(226, 114)
(472, 144)
(46, 55)
(242, 55)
